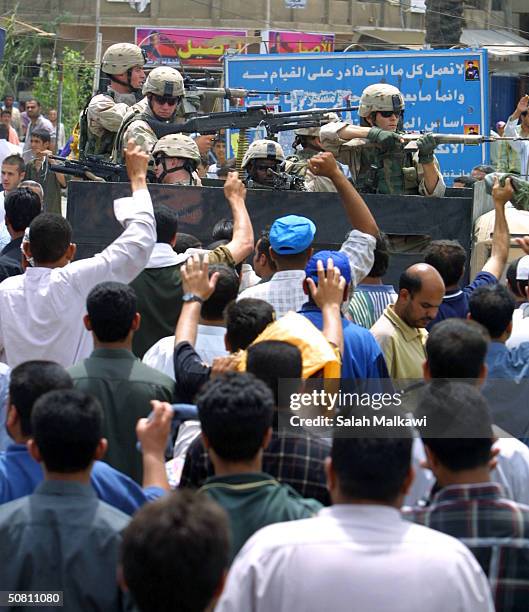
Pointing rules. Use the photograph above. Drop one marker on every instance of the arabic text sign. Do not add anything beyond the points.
(297, 42)
(174, 46)
(437, 95)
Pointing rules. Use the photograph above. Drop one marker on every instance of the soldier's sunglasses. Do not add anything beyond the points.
(161, 100)
(524, 114)
(388, 114)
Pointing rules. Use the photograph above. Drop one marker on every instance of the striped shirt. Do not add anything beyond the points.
(368, 303)
(495, 529)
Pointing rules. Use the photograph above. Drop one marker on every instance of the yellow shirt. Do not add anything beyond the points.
(317, 353)
(403, 346)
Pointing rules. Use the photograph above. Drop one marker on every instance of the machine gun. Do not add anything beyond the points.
(93, 168)
(283, 181)
(253, 117)
(207, 88)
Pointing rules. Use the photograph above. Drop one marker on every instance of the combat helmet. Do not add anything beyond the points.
(164, 81)
(263, 149)
(315, 131)
(122, 57)
(177, 145)
(380, 97)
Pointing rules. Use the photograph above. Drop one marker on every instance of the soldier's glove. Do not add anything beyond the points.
(426, 145)
(388, 141)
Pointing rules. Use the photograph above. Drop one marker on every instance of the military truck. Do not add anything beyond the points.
(403, 218)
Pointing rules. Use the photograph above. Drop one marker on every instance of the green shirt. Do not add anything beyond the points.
(255, 500)
(125, 387)
(50, 186)
(159, 293)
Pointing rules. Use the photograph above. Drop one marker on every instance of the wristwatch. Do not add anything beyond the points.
(191, 297)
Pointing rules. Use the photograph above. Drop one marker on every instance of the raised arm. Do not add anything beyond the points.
(359, 245)
(241, 244)
(128, 255)
(500, 238)
(512, 124)
(356, 209)
(328, 296)
(196, 282)
(334, 134)
(153, 434)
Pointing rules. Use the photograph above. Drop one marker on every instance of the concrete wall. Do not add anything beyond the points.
(119, 19)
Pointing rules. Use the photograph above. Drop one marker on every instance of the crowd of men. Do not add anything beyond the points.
(147, 455)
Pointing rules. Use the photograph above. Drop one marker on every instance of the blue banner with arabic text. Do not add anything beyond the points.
(444, 90)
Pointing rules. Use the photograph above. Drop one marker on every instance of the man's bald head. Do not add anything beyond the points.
(421, 291)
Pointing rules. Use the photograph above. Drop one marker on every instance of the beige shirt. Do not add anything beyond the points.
(403, 346)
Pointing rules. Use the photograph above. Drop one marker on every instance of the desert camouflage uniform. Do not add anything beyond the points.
(135, 123)
(298, 164)
(377, 171)
(102, 118)
(105, 114)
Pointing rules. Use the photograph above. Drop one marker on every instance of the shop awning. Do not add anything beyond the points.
(499, 43)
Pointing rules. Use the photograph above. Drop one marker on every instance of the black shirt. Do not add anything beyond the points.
(11, 259)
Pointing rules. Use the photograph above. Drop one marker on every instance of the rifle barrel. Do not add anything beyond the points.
(460, 138)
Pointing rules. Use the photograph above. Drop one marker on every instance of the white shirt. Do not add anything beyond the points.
(7, 149)
(209, 344)
(41, 311)
(163, 256)
(520, 146)
(520, 327)
(352, 557)
(284, 291)
(511, 472)
(248, 277)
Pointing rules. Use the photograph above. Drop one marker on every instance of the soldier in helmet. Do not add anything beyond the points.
(123, 65)
(163, 102)
(176, 157)
(385, 167)
(261, 156)
(307, 144)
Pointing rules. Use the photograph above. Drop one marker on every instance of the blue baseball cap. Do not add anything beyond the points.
(291, 235)
(339, 259)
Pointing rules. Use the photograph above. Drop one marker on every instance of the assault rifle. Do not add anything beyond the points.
(207, 88)
(252, 117)
(93, 168)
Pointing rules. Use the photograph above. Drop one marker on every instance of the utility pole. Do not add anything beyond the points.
(59, 103)
(99, 44)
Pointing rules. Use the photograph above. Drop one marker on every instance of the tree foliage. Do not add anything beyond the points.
(20, 51)
(77, 86)
(19, 70)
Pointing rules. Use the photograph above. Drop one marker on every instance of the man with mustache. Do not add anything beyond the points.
(400, 331)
